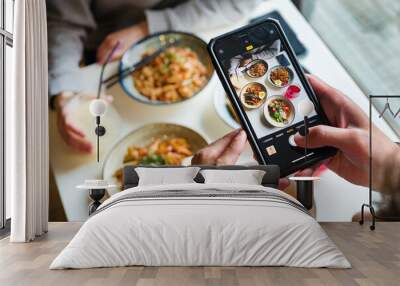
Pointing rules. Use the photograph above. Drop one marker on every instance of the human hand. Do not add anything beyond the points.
(70, 133)
(125, 38)
(349, 133)
(224, 151)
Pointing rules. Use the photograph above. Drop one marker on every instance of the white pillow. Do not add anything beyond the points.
(247, 177)
(164, 176)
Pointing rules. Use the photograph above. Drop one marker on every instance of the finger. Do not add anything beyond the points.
(227, 138)
(308, 172)
(75, 130)
(118, 53)
(102, 53)
(337, 105)
(105, 48)
(75, 141)
(63, 99)
(221, 144)
(323, 135)
(236, 147)
(72, 136)
(318, 171)
(283, 184)
(209, 154)
(330, 97)
(67, 94)
(78, 143)
(315, 170)
(320, 87)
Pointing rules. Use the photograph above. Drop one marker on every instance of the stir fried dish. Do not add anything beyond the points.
(174, 75)
(280, 76)
(159, 152)
(258, 69)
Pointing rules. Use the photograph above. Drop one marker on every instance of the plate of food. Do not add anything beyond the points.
(224, 108)
(279, 111)
(178, 73)
(156, 144)
(280, 76)
(238, 80)
(253, 95)
(257, 68)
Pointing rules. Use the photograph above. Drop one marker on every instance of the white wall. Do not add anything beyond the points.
(337, 201)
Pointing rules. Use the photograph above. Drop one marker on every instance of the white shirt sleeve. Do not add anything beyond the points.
(67, 25)
(199, 14)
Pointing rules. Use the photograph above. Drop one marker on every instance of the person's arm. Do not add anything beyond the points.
(68, 23)
(349, 133)
(191, 15)
(199, 14)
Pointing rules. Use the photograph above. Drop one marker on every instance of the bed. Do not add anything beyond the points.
(201, 224)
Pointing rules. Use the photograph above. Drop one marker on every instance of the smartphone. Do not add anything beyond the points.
(268, 90)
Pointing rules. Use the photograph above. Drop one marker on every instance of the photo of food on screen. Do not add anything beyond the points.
(268, 88)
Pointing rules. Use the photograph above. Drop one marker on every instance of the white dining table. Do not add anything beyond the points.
(335, 199)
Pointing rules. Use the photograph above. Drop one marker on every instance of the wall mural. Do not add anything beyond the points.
(160, 112)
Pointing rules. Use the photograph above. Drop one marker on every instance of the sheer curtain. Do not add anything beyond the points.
(27, 119)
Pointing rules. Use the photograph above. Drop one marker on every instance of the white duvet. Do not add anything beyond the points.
(200, 224)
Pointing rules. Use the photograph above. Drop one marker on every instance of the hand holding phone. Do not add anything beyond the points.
(269, 93)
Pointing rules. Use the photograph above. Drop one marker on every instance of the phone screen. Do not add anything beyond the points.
(270, 91)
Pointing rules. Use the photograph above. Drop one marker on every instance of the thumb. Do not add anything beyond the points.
(323, 135)
(232, 153)
(118, 53)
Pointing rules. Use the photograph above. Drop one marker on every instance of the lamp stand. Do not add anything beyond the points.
(372, 211)
(96, 195)
(305, 190)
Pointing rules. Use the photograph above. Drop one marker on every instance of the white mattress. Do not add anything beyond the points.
(200, 224)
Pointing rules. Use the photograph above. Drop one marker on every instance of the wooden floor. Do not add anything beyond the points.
(375, 257)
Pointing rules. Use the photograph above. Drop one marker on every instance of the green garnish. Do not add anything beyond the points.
(153, 160)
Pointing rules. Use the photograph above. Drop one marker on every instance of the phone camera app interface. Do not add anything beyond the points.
(271, 94)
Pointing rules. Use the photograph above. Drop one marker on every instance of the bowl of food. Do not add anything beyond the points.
(253, 95)
(280, 76)
(178, 73)
(257, 68)
(154, 144)
(279, 111)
